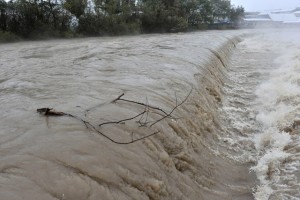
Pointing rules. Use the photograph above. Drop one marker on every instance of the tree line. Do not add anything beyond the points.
(69, 18)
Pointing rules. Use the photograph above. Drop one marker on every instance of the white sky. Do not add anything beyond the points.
(262, 5)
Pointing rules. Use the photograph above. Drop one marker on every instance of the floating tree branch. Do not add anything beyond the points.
(143, 121)
(50, 112)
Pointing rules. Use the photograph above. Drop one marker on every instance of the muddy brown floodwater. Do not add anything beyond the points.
(197, 152)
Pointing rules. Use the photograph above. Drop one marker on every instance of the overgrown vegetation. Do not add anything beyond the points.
(38, 19)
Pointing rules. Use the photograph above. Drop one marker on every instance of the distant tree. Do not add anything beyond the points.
(220, 10)
(59, 18)
(236, 14)
(199, 12)
(3, 15)
(76, 7)
(164, 16)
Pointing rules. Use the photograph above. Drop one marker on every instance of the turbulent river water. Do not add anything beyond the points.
(223, 107)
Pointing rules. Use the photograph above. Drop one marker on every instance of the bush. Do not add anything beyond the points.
(179, 24)
(8, 37)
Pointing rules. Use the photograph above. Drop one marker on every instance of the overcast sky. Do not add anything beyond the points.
(262, 5)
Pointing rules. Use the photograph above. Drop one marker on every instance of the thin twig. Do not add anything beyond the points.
(123, 120)
(118, 98)
(169, 114)
(97, 106)
(116, 142)
(139, 103)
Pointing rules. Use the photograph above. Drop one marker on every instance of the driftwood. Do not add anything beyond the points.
(142, 122)
(49, 112)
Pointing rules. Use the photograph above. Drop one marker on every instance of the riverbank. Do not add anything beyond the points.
(8, 37)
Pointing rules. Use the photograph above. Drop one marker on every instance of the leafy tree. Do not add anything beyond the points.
(220, 10)
(60, 18)
(199, 12)
(163, 16)
(76, 7)
(3, 15)
(236, 14)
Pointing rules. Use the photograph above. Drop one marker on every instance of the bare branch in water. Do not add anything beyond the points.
(169, 114)
(123, 120)
(139, 103)
(143, 121)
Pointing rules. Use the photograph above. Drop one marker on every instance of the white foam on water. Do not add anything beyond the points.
(263, 192)
(277, 107)
(272, 138)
